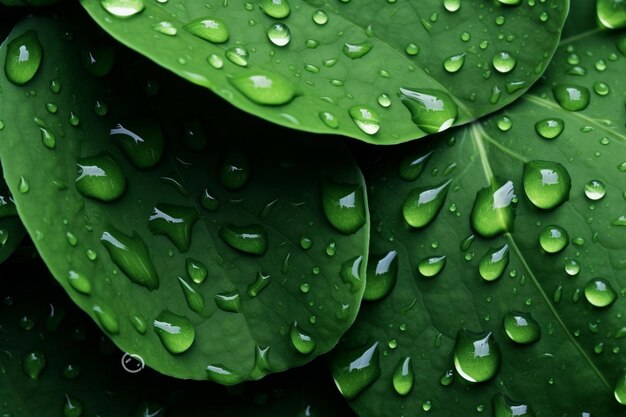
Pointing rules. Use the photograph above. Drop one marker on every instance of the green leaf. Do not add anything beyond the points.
(373, 71)
(549, 288)
(198, 242)
(28, 2)
(11, 230)
(55, 362)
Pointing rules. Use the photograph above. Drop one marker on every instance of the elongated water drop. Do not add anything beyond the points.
(122, 8)
(356, 369)
(107, 318)
(329, 119)
(546, 184)
(357, 50)
(72, 407)
(423, 204)
(131, 255)
(222, 375)
(403, 376)
(611, 13)
(454, 63)
(571, 97)
(33, 363)
(261, 362)
(23, 58)
(620, 389)
(140, 140)
(382, 273)
(494, 209)
(550, 128)
(350, 273)
(238, 55)
(196, 270)
(503, 406)
(431, 110)
(195, 299)
(264, 88)
(365, 118)
(600, 293)
(431, 265)
(234, 170)
(521, 327)
(261, 282)
(79, 282)
(412, 166)
(210, 29)
(344, 205)
(493, 264)
(166, 28)
(175, 222)
(477, 356)
(176, 332)
(553, 239)
(250, 239)
(301, 340)
(278, 9)
(229, 301)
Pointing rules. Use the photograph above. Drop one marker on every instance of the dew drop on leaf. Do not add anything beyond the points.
(595, 190)
(140, 140)
(100, 177)
(122, 8)
(357, 50)
(250, 239)
(79, 282)
(229, 301)
(264, 88)
(210, 29)
(611, 13)
(504, 62)
(354, 370)
(600, 293)
(301, 340)
(431, 110)
(403, 376)
(72, 407)
(550, 128)
(493, 211)
(620, 389)
(23, 58)
(503, 406)
(278, 9)
(166, 28)
(320, 17)
(261, 282)
(431, 266)
(343, 205)
(423, 204)
(553, 239)
(493, 263)
(175, 332)
(33, 363)
(238, 56)
(382, 273)
(222, 375)
(279, 34)
(477, 356)
(194, 299)
(454, 63)
(365, 118)
(521, 327)
(350, 273)
(546, 184)
(412, 166)
(107, 319)
(329, 119)
(196, 270)
(452, 5)
(175, 222)
(571, 97)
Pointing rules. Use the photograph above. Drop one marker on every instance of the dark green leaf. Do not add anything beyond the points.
(549, 288)
(348, 67)
(198, 242)
(75, 367)
(11, 230)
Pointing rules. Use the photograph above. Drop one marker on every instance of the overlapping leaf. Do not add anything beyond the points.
(11, 231)
(498, 256)
(200, 243)
(382, 72)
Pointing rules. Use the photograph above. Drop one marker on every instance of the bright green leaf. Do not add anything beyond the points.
(382, 72)
(519, 282)
(191, 235)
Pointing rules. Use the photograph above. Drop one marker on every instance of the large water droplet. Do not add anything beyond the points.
(140, 140)
(301, 340)
(504, 62)
(553, 239)
(264, 88)
(423, 204)
(452, 5)
(494, 209)
(365, 118)
(595, 190)
(175, 222)
(503, 406)
(222, 375)
(278, 9)
(260, 283)
(229, 301)
(208, 28)
(382, 273)
(356, 369)
(98, 59)
(176, 332)
(620, 389)
(431, 110)
(521, 327)
(79, 282)
(279, 34)
(23, 59)
(33, 363)
(611, 13)
(100, 177)
(250, 239)
(403, 376)
(357, 50)
(350, 273)
(546, 184)
(571, 97)
(195, 299)
(412, 166)
(344, 205)
(600, 293)
(107, 318)
(131, 255)
(550, 128)
(122, 8)
(477, 356)
(454, 63)
(493, 264)
(431, 265)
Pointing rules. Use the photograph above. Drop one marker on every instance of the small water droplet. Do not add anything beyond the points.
(250, 239)
(238, 56)
(403, 376)
(454, 63)
(620, 389)
(357, 50)
(350, 273)
(422, 204)
(229, 301)
(503, 406)
(504, 62)
(452, 5)
(175, 222)
(595, 190)
(176, 332)
(431, 266)
(550, 128)
(196, 270)
(222, 375)
(79, 282)
(611, 13)
(320, 17)
(553, 239)
(195, 300)
(72, 407)
(33, 363)
(521, 327)
(365, 118)
(166, 28)
(278, 9)
(301, 340)
(494, 209)
(140, 140)
(107, 319)
(261, 282)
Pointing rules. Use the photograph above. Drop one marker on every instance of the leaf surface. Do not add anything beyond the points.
(348, 67)
(190, 241)
(546, 285)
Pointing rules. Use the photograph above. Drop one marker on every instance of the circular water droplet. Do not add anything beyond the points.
(412, 49)
(549, 128)
(454, 63)
(100, 177)
(422, 204)
(365, 118)
(431, 110)
(611, 13)
(238, 56)
(477, 356)
(431, 266)
(572, 268)
(210, 29)
(546, 184)
(264, 88)
(175, 332)
(504, 62)
(571, 97)
(521, 327)
(595, 190)
(553, 239)
(122, 8)
(601, 89)
(279, 34)
(600, 293)
(452, 5)
(329, 119)
(504, 123)
(354, 370)
(215, 61)
(23, 58)
(320, 17)
(278, 9)
(384, 100)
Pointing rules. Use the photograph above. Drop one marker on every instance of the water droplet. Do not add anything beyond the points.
(595, 190)
(131, 255)
(238, 56)
(571, 97)
(175, 222)
(229, 301)
(33, 363)
(79, 282)
(278, 9)
(546, 184)
(412, 49)
(166, 28)
(455, 62)
(279, 34)
(141, 141)
(365, 118)
(493, 264)
(620, 389)
(350, 273)
(452, 5)
(357, 50)
(139, 324)
(382, 273)
(431, 266)
(384, 100)
(504, 123)
(209, 201)
(72, 407)
(320, 17)
(23, 186)
(477, 356)
(234, 170)
(329, 119)
(521, 327)
(494, 209)
(549, 128)
(195, 300)
(553, 239)
(355, 370)
(222, 375)
(176, 332)
(210, 29)
(250, 239)
(23, 58)
(196, 270)
(447, 378)
(412, 166)
(611, 13)
(600, 293)
(504, 62)
(503, 406)
(100, 177)
(403, 376)
(572, 268)
(122, 8)
(264, 88)
(261, 282)
(70, 371)
(107, 319)
(601, 89)
(423, 204)
(431, 110)
(301, 340)
(344, 205)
